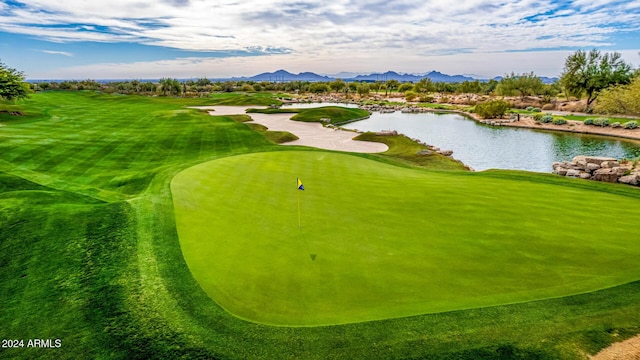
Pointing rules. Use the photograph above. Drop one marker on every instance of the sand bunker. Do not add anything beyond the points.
(309, 134)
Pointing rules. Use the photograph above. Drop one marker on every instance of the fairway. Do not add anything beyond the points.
(378, 241)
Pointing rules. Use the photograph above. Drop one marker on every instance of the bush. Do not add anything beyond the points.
(588, 121)
(631, 124)
(492, 109)
(529, 108)
(537, 117)
(601, 122)
(559, 121)
(616, 125)
(546, 119)
(410, 95)
(426, 98)
(535, 109)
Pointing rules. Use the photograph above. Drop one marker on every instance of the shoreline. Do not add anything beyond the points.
(572, 126)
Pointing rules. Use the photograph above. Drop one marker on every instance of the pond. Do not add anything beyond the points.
(493, 147)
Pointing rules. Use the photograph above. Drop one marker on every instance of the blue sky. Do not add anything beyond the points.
(79, 39)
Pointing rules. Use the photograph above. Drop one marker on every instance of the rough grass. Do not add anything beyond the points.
(86, 214)
(405, 150)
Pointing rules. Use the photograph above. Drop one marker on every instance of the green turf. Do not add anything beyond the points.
(389, 242)
(335, 114)
(89, 251)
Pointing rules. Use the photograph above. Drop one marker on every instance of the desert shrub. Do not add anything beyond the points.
(410, 95)
(537, 117)
(588, 121)
(631, 124)
(601, 122)
(426, 98)
(559, 121)
(549, 106)
(529, 108)
(535, 109)
(546, 119)
(615, 125)
(492, 109)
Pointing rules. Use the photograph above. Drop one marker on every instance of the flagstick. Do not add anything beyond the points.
(298, 196)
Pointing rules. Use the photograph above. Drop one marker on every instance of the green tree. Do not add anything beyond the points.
(12, 84)
(320, 87)
(169, 86)
(592, 72)
(363, 89)
(469, 87)
(489, 86)
(425, 85)
(337, 85)
(522, 85)
(621, 99)
(391, 85)
(405, 87)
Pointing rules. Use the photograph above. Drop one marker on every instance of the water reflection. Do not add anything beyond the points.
(484, 147)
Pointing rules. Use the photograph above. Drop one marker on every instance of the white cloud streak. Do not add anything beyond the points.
(53, 52)
(340, 30)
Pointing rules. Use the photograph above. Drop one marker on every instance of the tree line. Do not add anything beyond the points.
(593, 74)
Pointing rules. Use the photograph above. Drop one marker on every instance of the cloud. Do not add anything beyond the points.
(340, 30)
(52, 52)
(310, 25)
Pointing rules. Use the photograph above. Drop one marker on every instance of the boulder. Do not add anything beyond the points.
(446, 152)
(597, 159)
(585, 175)
(425, 152)
(633, 179)
(606, 175)
(579, 158)
(561, 171)
(592, 167)
(610, 164)
(573, 172)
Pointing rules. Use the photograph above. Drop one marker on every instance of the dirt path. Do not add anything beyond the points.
(625, 350)
(309, 134)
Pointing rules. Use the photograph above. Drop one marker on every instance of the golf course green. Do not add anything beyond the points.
(376, 241)
(135, 227)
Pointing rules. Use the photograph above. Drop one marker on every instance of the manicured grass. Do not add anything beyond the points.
(455, 254)
(239, 99)
(89, 251)
(335, 114)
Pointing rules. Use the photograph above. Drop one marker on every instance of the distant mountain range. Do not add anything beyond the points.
(285, 76)
(435, 76)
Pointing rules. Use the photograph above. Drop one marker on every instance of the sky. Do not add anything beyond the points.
(140, 39)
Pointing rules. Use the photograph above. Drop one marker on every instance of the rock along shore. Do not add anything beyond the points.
(600, 169)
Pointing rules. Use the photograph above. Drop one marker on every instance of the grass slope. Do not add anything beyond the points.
(472, 242)
(89, 252)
